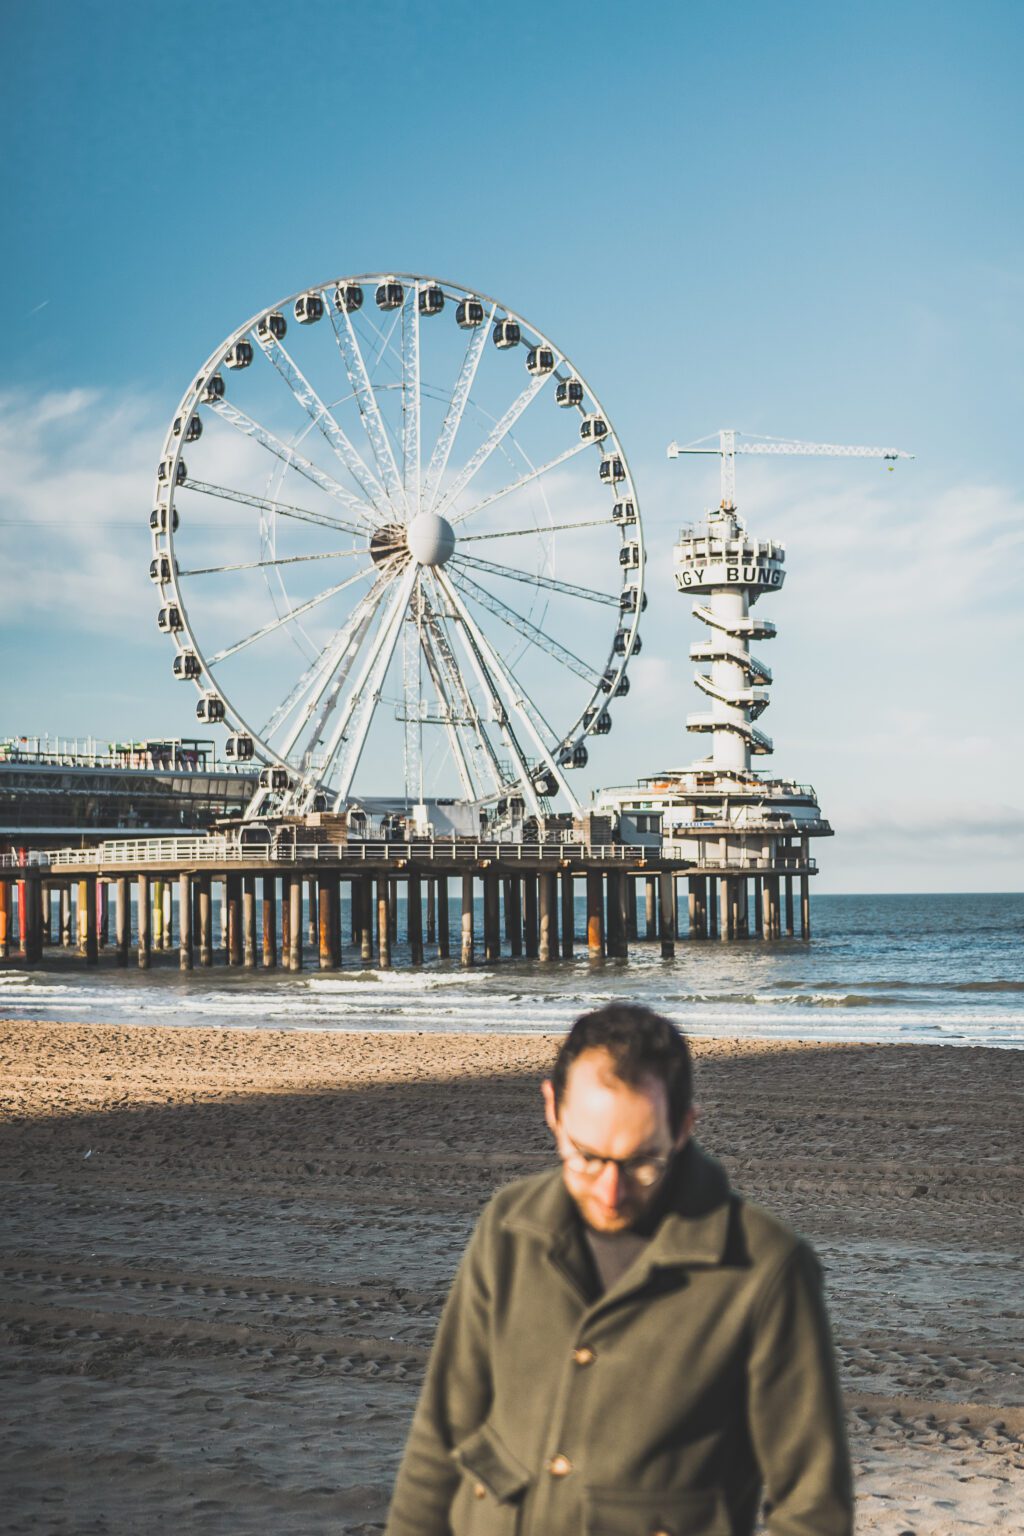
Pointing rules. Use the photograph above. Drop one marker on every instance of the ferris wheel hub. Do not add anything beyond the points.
(431, 539)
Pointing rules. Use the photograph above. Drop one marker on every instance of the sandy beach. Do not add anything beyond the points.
(225, 1252)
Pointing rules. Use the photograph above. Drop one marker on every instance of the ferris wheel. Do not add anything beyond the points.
(320, 499)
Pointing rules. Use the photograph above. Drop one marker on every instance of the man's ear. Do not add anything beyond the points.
(550, 1109)
(686, 1129)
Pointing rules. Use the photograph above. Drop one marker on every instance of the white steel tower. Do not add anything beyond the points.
(743, 836)
(719, 560)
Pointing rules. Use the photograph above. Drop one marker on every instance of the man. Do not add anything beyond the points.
(629, 1348)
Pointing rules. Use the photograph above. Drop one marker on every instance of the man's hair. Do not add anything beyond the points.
(641, 1043)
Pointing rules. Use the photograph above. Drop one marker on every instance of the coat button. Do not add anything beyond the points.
(559, 1466)
(479, 1491)
(583, 1356)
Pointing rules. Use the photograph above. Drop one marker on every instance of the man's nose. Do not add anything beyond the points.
(609, 1183)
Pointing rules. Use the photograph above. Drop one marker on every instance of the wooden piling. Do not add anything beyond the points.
(595, 913)
(552, 876)
(122, 920)
(312, 911)
(158, 914)
(805, 907)
(467, 920)
(514, 916)
(202, 913)
(545, 903)
(414, 917)
(568, 914)
(233, 884)
(5, 920)
(712, 907)
(103, 913)
(789, 906)
(142, 906)
(45, 914)
(295, 923)
(365, 884)
(249, 922)
(492, 915)
(531, 935)
(65, 916)
(724, 908)
(184, 921)
(650, 907)
(667, 906)
(613, 911)
(384, 923)
(444, 939)
(325, 899)
(81, 918)
(269, 923)
(431, 934)
(286, 922)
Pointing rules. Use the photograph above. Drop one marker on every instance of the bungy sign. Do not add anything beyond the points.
(723, 575)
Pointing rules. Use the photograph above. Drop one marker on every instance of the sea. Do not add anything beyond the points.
(939, 969)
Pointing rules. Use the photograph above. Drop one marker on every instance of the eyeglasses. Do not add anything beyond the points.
(644, 1170)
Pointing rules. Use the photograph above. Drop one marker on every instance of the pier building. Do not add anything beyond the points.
(56, 789)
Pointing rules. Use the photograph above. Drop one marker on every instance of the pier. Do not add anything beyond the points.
(336, 905)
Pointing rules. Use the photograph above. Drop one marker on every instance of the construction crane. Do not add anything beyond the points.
(727, 448)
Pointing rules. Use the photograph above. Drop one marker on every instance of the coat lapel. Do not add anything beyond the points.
(692, 1231)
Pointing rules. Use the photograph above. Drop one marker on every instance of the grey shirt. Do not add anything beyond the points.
(613, 1253)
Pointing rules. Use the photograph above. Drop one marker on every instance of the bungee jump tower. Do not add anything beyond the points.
(745, 834)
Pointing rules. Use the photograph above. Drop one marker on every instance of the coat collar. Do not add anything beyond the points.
(694, 1228)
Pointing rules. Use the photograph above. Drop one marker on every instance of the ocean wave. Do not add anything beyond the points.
(902, 985)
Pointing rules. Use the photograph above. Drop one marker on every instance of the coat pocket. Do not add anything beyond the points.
(626, 1512)
(493, 1485)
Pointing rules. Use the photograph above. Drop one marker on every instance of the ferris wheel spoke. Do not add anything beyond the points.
(315, 671)
(476, 649)
(292, 460)
(387, 352)
(349, 735)
(412, 700)
(551, 582)
(455, 693)
(456, 410)
(285, 618)
(524, 626)
(515, 485)
(260, 565)
(540, 530)
(324, 420)
(411, 400)
(500, 430)
(274, 508)
(369, 410)
(515, 697)
(448, 713)
(331, 672)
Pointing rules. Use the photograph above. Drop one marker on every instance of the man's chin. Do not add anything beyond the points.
(602, 1220)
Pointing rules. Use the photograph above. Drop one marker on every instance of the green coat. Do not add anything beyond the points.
(659, 1407)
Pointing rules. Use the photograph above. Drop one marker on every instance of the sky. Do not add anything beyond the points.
(797, 220)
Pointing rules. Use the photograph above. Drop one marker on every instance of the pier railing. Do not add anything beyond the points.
(219, 852)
